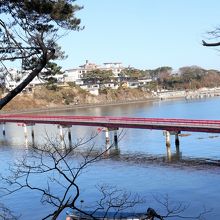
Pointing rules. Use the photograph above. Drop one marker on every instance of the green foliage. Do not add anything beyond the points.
(163, 69)
(51, 69)
(194, 72)
(134, 73)
(29, 32)
(191, 78)
(152, 86)
(39, 24)
(98, 75)
(37, 15)
(160, 72)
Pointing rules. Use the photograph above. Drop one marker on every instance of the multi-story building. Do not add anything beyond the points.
(76, 74)
(116, 68)
(79, 77)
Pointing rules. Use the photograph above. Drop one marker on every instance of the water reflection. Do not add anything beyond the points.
(140, 162)
(176, 160)
(173, 159)
(126, 141)
(176, 156)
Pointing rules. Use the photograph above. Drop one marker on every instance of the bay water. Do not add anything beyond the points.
(190, 175)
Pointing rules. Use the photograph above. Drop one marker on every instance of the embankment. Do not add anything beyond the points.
(43, 99)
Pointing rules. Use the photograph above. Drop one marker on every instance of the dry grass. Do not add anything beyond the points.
(43, 97)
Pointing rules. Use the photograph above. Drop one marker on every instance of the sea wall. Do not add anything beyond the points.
(189, 94)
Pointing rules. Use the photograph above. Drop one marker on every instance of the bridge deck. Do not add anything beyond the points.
(212, 126)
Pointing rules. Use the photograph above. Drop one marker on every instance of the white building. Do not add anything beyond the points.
(76, 74)
(13, 78)
(72, 75)
(116, 68)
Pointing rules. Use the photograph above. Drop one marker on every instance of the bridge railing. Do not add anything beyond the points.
(106, 119)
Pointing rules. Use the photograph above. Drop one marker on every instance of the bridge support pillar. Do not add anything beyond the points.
(3, 129)
(177, 142)
(26, 132)
(116, 138)
(25, 135)
(167, 136)
(61, 136)
(69, 137)
(107, 139)
(32, 134)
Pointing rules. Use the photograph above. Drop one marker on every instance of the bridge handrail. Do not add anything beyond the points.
(108, 119)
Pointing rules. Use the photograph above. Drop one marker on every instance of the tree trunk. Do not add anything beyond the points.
(43, 61)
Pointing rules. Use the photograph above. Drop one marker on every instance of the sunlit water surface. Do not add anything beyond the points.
(189, 176)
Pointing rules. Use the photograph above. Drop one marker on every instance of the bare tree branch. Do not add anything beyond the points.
(62, 166)
(29, 34)
(177, 209)
(204, 43)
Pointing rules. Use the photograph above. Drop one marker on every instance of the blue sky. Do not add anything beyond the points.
(145, 34)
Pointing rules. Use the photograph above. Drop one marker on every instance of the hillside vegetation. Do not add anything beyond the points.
(42, 97)
(50, 95)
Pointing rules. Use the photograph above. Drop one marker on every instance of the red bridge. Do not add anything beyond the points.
(171, 126)
(176, 125)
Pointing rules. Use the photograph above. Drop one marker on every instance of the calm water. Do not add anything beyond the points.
(190, 176)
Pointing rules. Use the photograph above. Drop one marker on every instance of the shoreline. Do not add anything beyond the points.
(78, 106)
(89, 105)
(161, 96)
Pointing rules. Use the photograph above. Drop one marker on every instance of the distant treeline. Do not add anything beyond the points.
(190, 77)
